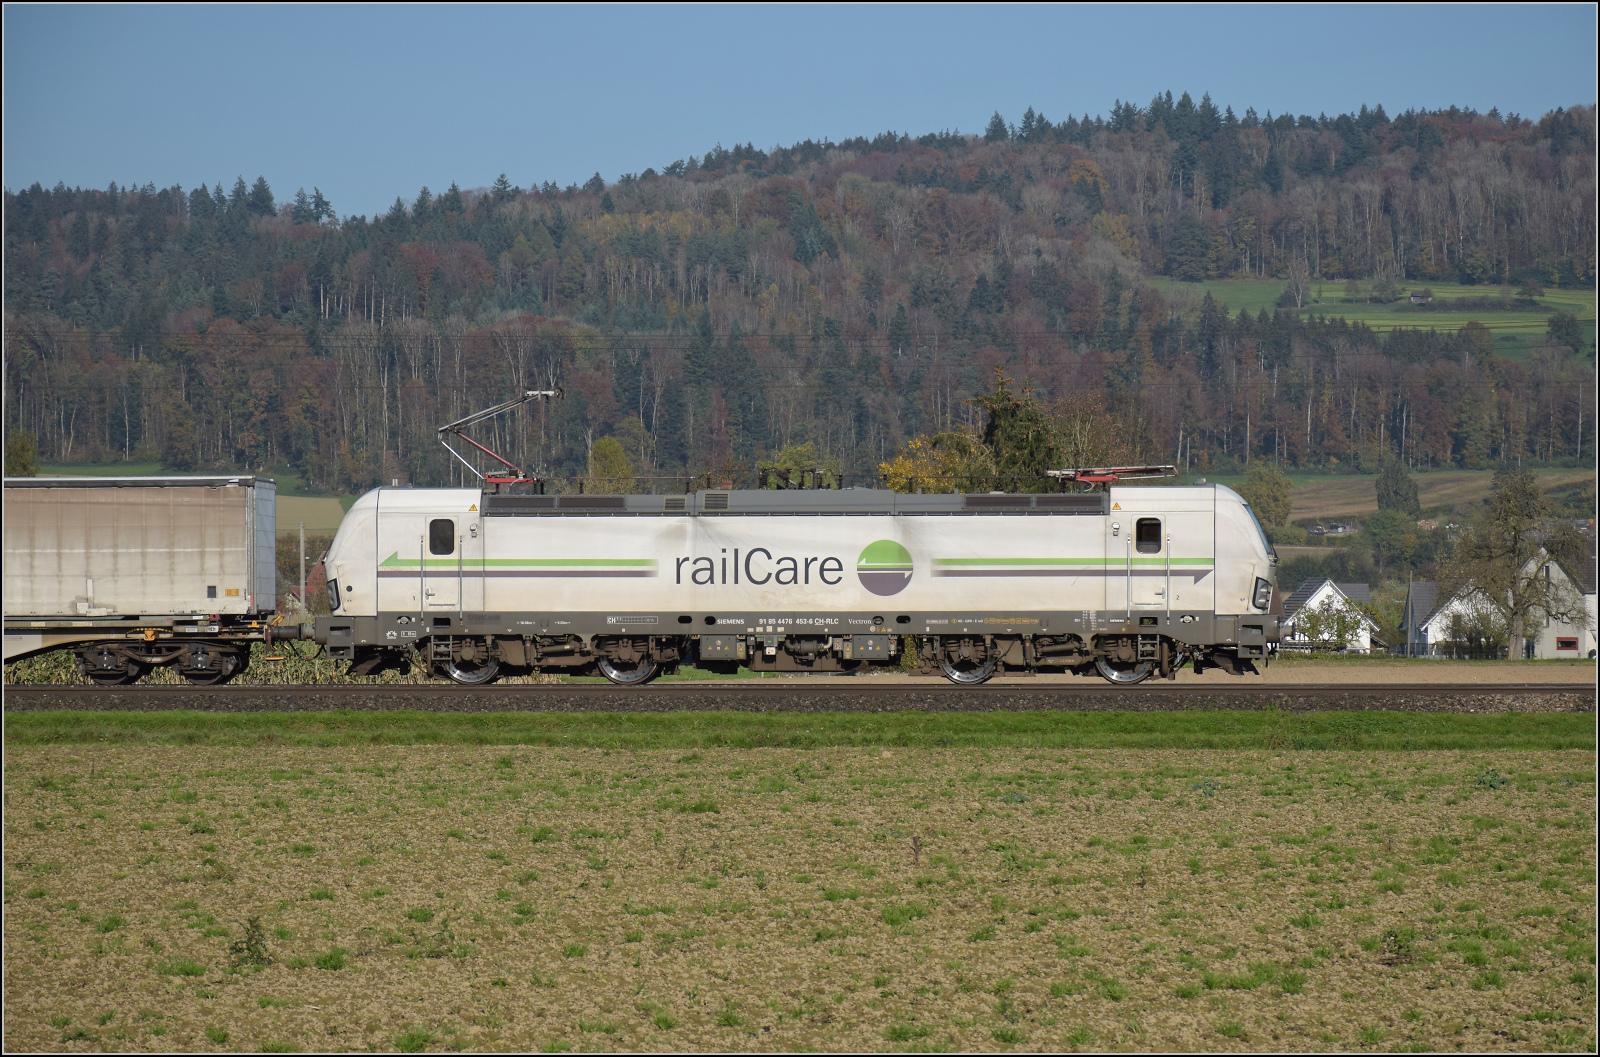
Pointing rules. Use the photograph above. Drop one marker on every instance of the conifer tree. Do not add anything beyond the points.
(1396, 489)
(900, 331)
(260, 202)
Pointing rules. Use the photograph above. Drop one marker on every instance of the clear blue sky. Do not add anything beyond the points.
(373, 102)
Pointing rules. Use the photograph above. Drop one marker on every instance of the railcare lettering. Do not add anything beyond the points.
(759, 567)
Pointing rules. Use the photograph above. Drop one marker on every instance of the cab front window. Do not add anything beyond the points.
(1265, 542)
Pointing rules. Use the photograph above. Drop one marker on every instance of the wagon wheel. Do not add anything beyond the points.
(131, 673)
(206, 676)
(968, 673)
(207, 665)
(1124, 674)
(624, 674)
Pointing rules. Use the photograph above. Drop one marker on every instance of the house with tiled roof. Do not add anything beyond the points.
(1570, 634)
(1433, 625)
(1462, 625)
(1325, 595)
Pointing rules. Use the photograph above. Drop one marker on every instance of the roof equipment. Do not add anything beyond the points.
(1111, 474)
(518, 475)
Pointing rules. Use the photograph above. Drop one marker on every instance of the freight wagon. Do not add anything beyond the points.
(1127, 582)
(135, 572)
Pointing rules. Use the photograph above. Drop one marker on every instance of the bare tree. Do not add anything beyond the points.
(1501, 557)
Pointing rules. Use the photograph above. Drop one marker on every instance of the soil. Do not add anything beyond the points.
(838, 899)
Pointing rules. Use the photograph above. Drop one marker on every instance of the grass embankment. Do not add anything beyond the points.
(376, 898)
(1369, 731)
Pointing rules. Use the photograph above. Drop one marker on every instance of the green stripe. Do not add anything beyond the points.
(583, 563)
(395, 561)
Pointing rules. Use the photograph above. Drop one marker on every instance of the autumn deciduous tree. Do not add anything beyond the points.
(1087, 435)
(1269, 493)
(955, 461)
(1332, 625)
(21, 453)
(797, 466)
(610, 469)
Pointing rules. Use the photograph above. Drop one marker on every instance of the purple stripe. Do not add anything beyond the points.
(1015, 572)
(1089, 573)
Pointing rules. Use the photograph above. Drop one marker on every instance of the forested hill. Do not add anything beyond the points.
(852, 295)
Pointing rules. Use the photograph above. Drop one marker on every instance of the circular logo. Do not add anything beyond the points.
(884, 567)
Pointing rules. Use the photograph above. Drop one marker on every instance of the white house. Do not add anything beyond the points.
(1433, 628)
(1317, 595)
(1464, 625)
(1568, 635)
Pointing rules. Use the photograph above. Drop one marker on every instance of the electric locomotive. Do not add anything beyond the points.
(1129, 582)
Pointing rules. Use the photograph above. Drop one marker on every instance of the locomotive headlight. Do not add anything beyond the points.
(1263, 597)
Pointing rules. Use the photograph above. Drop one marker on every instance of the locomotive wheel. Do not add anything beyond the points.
(470, 673)
(968, 673)
(623, 674)
(1124, 674)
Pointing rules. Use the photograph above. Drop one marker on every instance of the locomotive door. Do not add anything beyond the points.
(444, 562)
(1149, 561)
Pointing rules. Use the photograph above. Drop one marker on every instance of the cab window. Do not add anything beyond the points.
(441, 536)
(1147, 535)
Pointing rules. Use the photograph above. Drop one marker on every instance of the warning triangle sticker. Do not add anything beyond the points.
(474, 506)
(1116, 506)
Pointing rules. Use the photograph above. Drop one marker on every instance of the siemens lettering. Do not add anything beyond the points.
(760, 567)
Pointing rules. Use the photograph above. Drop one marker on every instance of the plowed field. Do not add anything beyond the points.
(840, 899)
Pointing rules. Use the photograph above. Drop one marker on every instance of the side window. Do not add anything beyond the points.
(441, 536)
(1147, 535)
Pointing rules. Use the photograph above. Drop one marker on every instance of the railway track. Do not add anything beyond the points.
(807, 696)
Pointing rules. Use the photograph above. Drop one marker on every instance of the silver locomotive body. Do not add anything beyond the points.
(1129, 582)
